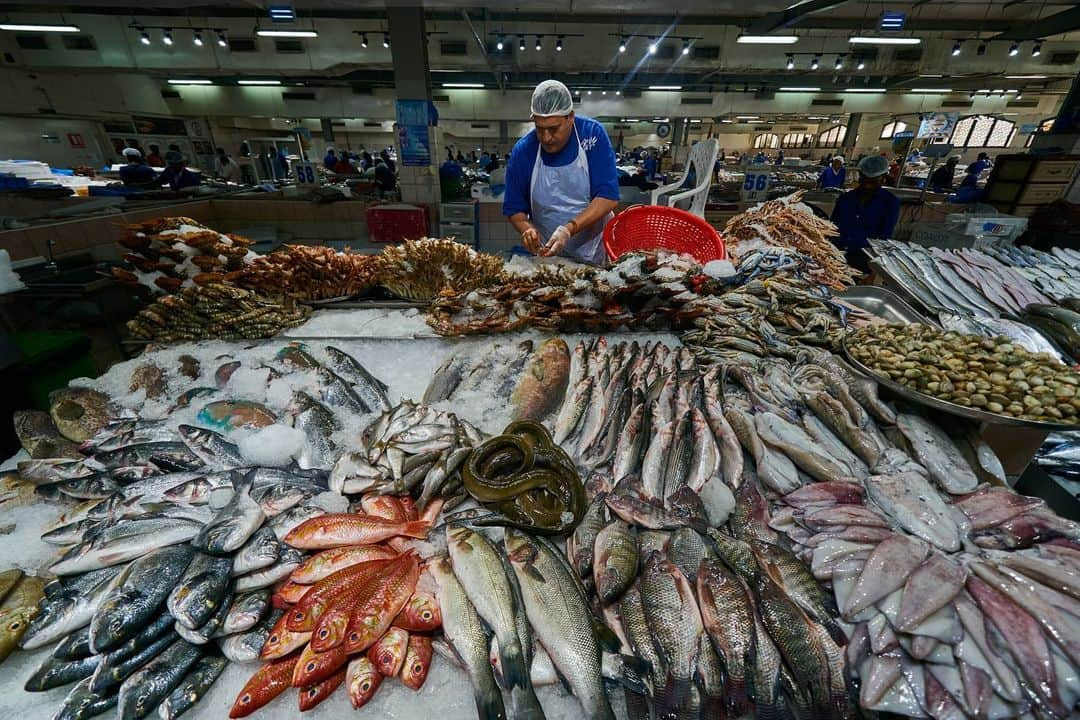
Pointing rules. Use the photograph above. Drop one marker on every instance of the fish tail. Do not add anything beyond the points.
(524, 704)
(673, 697)
(416, 529)
(489, 704)
(637, 705)
(514, 672)
(737, 696)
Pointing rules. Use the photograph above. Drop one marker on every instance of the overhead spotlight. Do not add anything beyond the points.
(499, 43)
(558, 44)
(956, 48)
(603, 92)
(815, 63)
(861, 64)
(623, 43)
(539, 45)
(686, 47)
(1036, 49)
(981, 50)
(652, 46)
(790, 62)
(166, 36)
(386, 40)
(144, 37)
(972, 95)
(618, 92)
(1014, 49)
(521, 43)
(197, 38)
(222, 41)
(1019, 95)
(588, 92)
(839, 62)
(363, 40)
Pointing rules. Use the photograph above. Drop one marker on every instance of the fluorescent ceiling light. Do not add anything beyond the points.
(864, 90)
(934, 75)
(17, 27)
(747, 117)
(695, 120)
(768, 39)
(286, 33)
(931, 90)
(874, 40)
(1026, 77)
(800, 89)
(191, 82)
(665, 87)
(463, 85)
(258, 82)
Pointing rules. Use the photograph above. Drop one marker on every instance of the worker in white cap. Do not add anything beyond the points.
(867, 212)
(136, 174)
(561, 182)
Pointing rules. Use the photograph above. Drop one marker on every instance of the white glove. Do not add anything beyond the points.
(557, 241)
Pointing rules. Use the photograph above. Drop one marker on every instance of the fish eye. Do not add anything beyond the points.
(274, 638)
(426, 615)
(354, 637)
(366, 685)
(15, 625)
(310, 667)
(323, 633)
(245, 699)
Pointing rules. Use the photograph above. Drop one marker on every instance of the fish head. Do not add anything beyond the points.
(422, 612)
(363, 680)
(331, 627)
(417, 662)
(388, 654)
(363, 629)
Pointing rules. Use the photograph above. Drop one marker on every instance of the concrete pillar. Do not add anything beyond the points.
(412, 81)
(505, 143)
(848, 144)
(678, 141)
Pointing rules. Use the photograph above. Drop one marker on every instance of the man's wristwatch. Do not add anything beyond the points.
(572, 226)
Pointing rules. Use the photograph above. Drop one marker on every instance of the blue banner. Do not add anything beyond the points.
(412, 132)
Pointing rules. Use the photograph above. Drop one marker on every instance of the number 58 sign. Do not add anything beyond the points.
(305, 174)
(755, 185)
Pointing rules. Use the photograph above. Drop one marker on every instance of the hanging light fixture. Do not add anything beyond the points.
(790, 62)
(166, 36)
(197, 38)
(386, 40)
(652, 46)
(363, 40)
(499, 43)
(861, 64)
(1036, 49)
(539, 44)
(222, 41)
(956, 48)
(521, 43)
(623, 43)
(686, 47)
(815, 63)
(981, 50)
(144, 37)
(839, 65)
(558, 44)
(1014, 49)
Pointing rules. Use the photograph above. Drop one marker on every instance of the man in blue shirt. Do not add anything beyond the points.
(561, 182)
(650, 166)
(330, 159)
(137, 174)
(868, 211)
(833, 175)
(176, 175)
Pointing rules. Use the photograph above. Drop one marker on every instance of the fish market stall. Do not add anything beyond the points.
(558, 492)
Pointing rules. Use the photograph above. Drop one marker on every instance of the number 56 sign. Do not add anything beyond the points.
(305, 174)
(755, 187)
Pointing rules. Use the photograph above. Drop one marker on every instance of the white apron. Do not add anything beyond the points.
(559, 194)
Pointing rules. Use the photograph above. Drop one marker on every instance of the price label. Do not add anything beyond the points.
(755, 187)
(305, 174)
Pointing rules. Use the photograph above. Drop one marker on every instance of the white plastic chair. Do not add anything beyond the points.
(702, 158)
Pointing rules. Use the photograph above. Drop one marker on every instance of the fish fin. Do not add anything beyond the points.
(525, 705)
(416, 529)
(514, 671)
(634, 672)
(607, 638)
(489, 705)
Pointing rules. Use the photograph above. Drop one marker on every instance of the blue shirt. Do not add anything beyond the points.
(603, 180)
(650, 167)
(858, 223)
(329, 161)
(177, 180)
(977, 167)
(831, 178)
(138, 175)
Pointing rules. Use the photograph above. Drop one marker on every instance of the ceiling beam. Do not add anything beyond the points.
(789, 16)
(483, 51)
(1059, 24)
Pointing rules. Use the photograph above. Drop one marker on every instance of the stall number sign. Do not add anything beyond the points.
(305, 173)
(755, 187)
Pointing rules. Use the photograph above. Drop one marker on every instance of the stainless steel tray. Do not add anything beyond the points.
(930, 401)
(883, 303)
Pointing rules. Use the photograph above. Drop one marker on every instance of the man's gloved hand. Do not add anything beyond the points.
(531, 240)
(557, 241)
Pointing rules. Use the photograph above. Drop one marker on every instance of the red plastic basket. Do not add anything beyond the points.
(394, 223)
(654, 227)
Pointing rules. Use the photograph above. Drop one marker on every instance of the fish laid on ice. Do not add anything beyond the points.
(543, 384)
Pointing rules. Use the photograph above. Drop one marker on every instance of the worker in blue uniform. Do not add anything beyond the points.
(868, 211)
(561, 181)
(834, 174)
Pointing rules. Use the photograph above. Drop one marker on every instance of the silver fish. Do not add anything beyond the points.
(370, 390)
(71, 611)
(233, 525)
(211, 447)
(261, 550)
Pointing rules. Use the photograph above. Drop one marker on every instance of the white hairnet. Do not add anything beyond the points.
(873, 166)
(132, 152)
(551, 97)
(838, 157)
